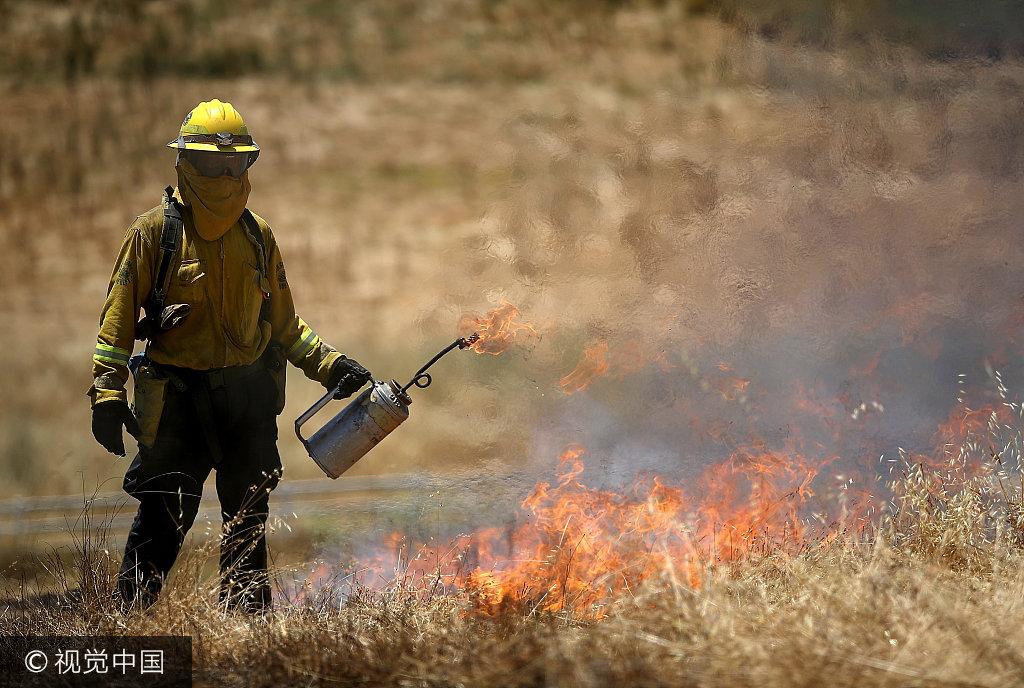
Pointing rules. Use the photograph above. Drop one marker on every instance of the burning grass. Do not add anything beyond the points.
(603, 589)
(580, 548)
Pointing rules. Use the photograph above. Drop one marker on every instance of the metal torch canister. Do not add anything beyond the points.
(357, 428)
(365, 421)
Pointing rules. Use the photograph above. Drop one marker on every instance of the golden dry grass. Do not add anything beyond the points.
(928, 597)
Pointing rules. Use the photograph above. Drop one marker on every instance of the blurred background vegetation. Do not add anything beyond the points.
(466, 40)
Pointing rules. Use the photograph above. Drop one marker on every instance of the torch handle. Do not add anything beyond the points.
(310, 412)
(314, 409)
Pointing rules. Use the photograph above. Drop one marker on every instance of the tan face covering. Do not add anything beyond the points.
(217, 202)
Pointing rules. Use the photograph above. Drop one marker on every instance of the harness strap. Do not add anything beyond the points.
(170, 241)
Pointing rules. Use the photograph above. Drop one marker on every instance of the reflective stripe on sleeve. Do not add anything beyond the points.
(111, 354)
(305, 343)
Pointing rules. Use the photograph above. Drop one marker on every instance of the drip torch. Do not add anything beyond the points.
(367, 419)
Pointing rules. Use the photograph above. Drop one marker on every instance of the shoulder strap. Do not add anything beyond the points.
(170, 240)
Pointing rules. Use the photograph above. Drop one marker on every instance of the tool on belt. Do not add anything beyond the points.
(366, 420)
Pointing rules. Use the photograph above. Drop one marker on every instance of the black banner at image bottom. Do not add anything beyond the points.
(87, 661)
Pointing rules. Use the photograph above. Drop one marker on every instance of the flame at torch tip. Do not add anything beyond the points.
(497, 330)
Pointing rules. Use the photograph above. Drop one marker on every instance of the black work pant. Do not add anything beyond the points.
(168, 482)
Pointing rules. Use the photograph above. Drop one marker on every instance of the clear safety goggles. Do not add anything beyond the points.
(217, 164)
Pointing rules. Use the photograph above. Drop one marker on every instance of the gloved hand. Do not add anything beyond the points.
(349, 374)
(108, 417)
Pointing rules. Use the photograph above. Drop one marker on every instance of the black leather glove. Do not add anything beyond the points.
(108, 417)
(347, 376)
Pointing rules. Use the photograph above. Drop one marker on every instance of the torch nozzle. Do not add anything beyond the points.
(422, 378)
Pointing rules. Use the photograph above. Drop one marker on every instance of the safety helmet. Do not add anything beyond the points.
(214, 126)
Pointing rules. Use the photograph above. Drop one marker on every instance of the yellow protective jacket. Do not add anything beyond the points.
(222, 283)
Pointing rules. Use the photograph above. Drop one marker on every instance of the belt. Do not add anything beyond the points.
(215, 378)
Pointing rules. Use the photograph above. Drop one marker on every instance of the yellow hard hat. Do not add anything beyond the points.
(214, 125)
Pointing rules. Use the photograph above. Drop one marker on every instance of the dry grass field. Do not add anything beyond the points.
(927, 597)
(760, 245)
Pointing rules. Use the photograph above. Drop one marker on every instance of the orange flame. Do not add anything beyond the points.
(593, 365)
(730, 387)
(964, 422)
(313, 582)
(583, 547)
(578, 548)
(498, 329)
(599, 359)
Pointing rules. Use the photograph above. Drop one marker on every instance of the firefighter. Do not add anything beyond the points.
(220, 325)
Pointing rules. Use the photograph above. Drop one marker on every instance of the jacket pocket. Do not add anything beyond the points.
(247, 301)
(189, 285)
(148, 403)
